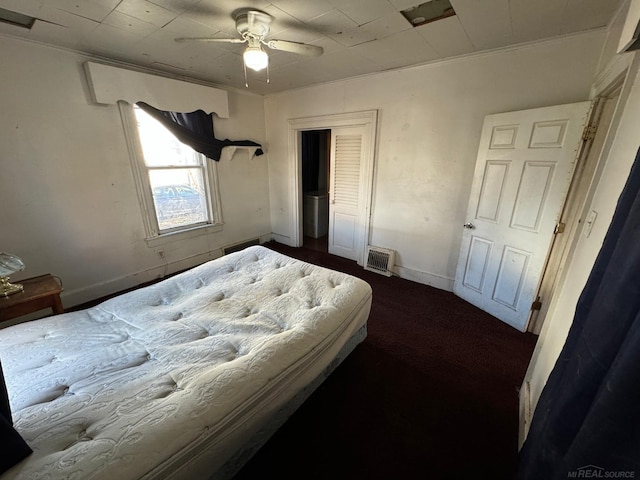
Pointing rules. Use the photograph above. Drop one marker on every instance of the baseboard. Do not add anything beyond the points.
(283, 239)
(78, 296)
(425, 278)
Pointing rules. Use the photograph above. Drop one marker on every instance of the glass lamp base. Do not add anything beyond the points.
(7, 288)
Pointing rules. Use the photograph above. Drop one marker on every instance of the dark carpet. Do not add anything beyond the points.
(432, 393)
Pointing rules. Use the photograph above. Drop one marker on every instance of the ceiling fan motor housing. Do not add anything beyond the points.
(253, 22)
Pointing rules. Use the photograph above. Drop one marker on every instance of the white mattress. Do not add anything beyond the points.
(170, 380)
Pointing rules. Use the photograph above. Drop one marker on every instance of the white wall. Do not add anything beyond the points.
(429, 128)
(69, 204)
(614, 166)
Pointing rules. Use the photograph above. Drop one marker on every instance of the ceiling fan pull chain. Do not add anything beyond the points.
(267, 72)
(246, 82)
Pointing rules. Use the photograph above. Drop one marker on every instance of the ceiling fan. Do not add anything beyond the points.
(253, 27)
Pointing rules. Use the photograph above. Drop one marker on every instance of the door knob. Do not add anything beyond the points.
(470, 226)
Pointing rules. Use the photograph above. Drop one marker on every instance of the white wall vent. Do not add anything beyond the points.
(379, 260)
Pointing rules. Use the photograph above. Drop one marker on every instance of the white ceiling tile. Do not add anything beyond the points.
(213, 16)
(385, 40)
(332, 22)
(282, 21)
(62, 36)
(160, 46)
(76, 25)
(280, 59)
(363, 11)
(304, 10)
(328, 44)
(305, 34)
(130, 24)
(586, 14)
(411, 46)
(381, 54)
(108, 39)
(446, 36)
(487, 23)
(147, 12)
(536, 20)
(92, 9)
(404, 4)
(177, 6)
(183, 26)
(341, 28)
(387, 25)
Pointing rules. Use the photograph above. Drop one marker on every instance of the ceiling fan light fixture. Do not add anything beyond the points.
(255, 58)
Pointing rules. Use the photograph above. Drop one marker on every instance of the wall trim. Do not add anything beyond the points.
(89, 293)
(431, 279)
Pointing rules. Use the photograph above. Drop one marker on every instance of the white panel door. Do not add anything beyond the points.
(345, 192)
(523, 171)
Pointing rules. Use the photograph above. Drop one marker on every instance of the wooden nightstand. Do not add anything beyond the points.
(39, 293)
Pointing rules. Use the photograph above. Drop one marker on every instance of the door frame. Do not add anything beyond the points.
(613, 80)
(584, 173)
(367, 119)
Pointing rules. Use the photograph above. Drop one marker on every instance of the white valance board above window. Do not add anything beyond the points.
(110, 84)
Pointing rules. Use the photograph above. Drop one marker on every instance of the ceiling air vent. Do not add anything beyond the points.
(428, 12)
(379, 260)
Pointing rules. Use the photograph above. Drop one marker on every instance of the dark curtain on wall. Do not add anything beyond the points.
(587, 421)
(196, 130)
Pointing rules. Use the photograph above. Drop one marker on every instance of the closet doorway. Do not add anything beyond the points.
(316, 147)
(349, 175)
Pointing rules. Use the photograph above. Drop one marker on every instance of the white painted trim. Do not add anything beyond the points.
(82, 295)
(89, 293)
(283, 239)
(425, 278)
(153, 237)
(367, 119)
(110, 84)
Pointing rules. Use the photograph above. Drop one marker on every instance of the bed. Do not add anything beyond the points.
(185, 378)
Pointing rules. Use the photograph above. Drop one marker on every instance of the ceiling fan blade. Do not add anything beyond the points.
(295, 47)
(209, 39)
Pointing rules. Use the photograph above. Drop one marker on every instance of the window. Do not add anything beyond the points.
(177, 186)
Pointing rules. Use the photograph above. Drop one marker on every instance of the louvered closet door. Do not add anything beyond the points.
(345, 195)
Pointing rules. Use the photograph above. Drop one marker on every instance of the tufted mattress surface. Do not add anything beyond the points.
(141, 384)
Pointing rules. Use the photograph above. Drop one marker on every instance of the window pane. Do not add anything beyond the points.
(179, 198)
(160, 147)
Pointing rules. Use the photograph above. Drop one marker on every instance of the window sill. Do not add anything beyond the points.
(183, 235)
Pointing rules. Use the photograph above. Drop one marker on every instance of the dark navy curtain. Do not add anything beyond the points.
(196, 130)
(587, 421)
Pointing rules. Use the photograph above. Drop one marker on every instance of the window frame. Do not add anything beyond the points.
(153, 235)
